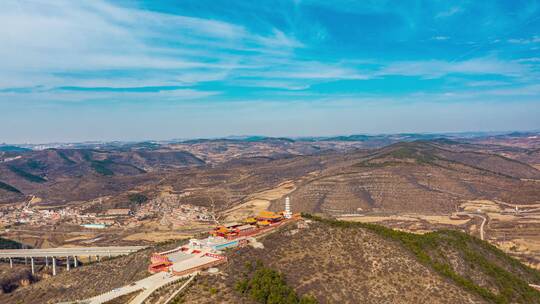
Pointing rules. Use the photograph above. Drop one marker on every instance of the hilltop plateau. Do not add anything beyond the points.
(329, 261)
(149, 192)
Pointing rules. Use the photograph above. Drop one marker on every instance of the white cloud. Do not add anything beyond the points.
(39, 94)
(42, 39)
(287, 84)
(441, 38)
(438, 68)
(310, 70)
(534, 39)
(96, 43)
(486, 83)
(279, 39)
(531, 59)
(53, 43)
(528, 90)
(450, 12)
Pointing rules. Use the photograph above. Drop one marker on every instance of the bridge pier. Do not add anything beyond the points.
(52, 254)
(32, 265)
(53, 266)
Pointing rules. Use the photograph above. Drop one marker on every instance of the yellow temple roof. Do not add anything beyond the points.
(268, 214)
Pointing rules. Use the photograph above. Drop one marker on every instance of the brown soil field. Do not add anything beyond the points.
(88, 280)
(340, 265)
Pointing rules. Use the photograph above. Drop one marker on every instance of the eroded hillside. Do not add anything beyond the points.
(416, 177)
(332, 261)
(340, 262)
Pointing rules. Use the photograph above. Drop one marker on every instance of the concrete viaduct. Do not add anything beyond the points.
(67, 253)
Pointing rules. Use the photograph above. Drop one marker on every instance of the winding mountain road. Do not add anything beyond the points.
(482, 225)
(484, 221)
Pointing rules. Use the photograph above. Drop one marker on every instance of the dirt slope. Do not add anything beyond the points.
(415, 177)
(349, 263)
(86, 281)
(336, 262)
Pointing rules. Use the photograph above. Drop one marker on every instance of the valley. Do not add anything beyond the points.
(150, 194)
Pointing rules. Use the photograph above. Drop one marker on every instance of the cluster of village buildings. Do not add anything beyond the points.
(10, 215)
(172, 213)
(169, 211)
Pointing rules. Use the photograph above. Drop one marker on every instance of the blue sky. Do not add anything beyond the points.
(132, 70)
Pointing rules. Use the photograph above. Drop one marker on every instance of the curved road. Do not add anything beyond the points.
(484, 221)
(147, 285)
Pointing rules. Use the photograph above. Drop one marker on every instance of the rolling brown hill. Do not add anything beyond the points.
(415, 177)
(340, 262)
(430, 176)
(85, 281)
(336, 262)
(63, 175)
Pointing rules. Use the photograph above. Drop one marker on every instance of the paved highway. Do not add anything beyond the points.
(146, 285)
(67, 251)
(153, 282)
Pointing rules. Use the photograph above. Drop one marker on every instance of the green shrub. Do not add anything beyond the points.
(101, 167)
(9, 244)
(427, 248)
(268, 286)
(421, 157)
(9, 188)
(26, 175)
(35, 165)
(68, 160)
(137, 198)
(308, 300)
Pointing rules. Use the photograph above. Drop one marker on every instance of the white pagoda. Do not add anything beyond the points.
(287, 214)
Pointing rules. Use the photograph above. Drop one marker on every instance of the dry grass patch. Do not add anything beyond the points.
(482, 205)
(157, 236)
(258, 202)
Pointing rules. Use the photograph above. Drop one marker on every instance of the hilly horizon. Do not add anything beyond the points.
(270, 152)
(27, 170)
(475, 272)
(401, 136)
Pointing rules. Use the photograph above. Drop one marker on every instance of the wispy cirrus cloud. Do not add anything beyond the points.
(47, 44)
(41, 40)
(529, 60)
(534, 39)
(438, 68)
(441, 38)
(449, 12)
(103, 94)
(235, 56)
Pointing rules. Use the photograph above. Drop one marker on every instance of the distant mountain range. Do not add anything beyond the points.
(90, 170)
(260, 138)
